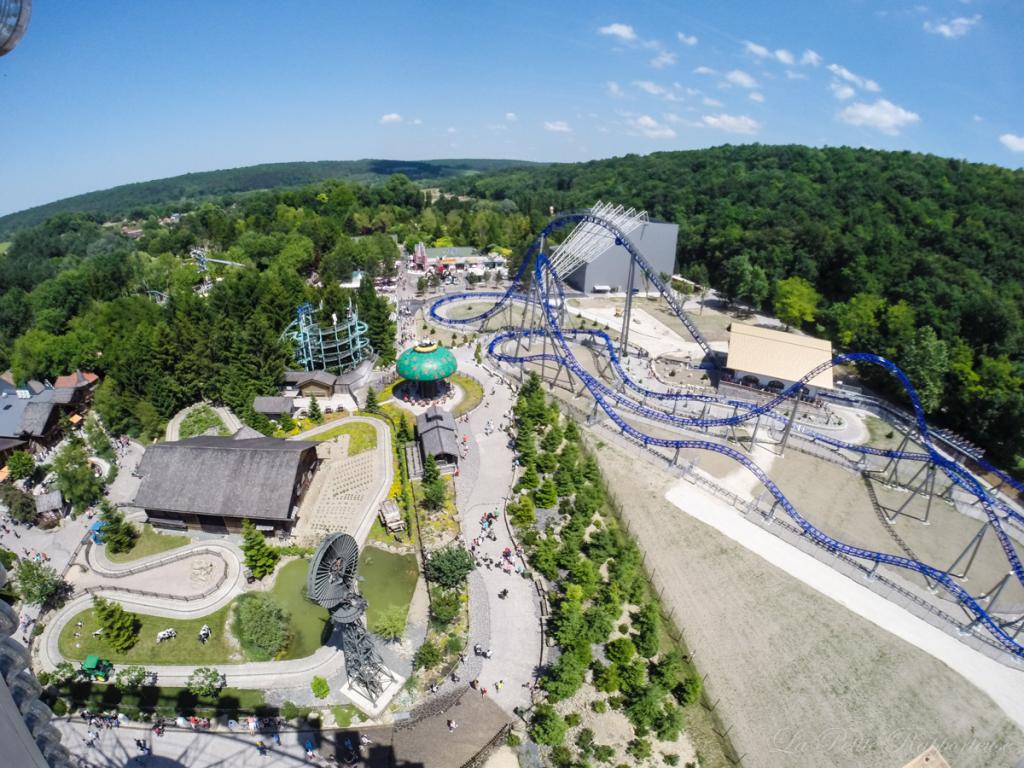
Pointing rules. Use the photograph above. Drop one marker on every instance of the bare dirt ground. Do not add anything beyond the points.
(801, 680)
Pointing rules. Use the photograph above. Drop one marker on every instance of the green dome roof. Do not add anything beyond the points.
(427, 361)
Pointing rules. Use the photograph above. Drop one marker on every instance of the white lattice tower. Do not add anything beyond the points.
(589, 240)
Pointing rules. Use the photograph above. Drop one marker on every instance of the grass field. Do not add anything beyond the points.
(149, 543)
(307, 625)
(472, 393)
(387, 580)
(4, 247)
(307, 618)
(183, 649)
(200, 420)
(361, 436)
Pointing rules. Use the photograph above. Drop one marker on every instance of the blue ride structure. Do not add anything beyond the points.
(538, 287)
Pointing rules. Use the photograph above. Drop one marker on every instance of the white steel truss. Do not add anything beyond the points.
(589, 240)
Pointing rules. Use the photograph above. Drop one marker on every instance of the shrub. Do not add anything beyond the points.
(59, 707)
(290, 711)
(603, 753)
(21, 506)
(427, 656)
(561, 757)
(671, 759)
(21, 465)
(572, 719)
(547, 726)
(621, 650)
(63, 674)
(585, 740)
(389, 624)
(449, 567)
(688, 692)
(647, 622)
(130, 679)
(204, 681)
(444, 606)
(261, 625)
(639, 749)
(513, 739)
(320, 687)
(453, 644)
(669, 723)
(599, 706)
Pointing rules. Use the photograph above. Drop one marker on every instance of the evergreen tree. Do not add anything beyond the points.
(315, 414)
(120, 628)
(287, 423)
(530, 478)
(546, 496)
(118, 534)
(403, 430)
(21, 465)
(259, 555)
(430, 472)
(435, 494)
(646, 623)
(372, 406)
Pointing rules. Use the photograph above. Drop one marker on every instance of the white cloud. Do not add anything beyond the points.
(557, 126)
(785, 56)
(842, 91)
(758, 97)
(810, 57)
(511, 117)
(741, 78)
(651, 128)
(954, 28)
(850, 77)
(978, 118)
(622, 31)
(391, 117)
(663, 59)
(704, 71)
(417, 121)
(648, 87)
(451, 129)
(614, 89)
(883, 114)
(1012, 142)
(686, 39)
(709, 102)
(732, 123)
(758, 50)
(791, 75)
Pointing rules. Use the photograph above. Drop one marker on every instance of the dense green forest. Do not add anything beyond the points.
(911, 256)
(915, 257)
(181, 192)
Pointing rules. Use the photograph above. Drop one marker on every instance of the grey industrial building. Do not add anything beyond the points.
(609, 272)
(213, 483)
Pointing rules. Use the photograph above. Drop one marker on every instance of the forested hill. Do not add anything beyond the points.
(133, 199)
(916, 257)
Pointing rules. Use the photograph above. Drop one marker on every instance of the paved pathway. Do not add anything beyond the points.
(347, 490)
(508, 627)
(231, 422)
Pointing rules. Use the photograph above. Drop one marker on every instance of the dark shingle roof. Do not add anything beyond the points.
(49, 502)
(35, 417)
(211, 475)
(274, 406)
(436, 428)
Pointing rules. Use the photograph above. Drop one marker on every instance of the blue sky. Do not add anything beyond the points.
(100, 94)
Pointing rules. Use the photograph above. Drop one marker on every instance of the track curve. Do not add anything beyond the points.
(548, 295)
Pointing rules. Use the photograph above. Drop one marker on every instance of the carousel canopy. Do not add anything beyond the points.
(427, 361)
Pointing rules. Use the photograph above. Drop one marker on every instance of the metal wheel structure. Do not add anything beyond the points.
(332, 583)
(538, 285)
(14, 18)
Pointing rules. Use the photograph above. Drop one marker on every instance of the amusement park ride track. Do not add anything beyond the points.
(545, 292)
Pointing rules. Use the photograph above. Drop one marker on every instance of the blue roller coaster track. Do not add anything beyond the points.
(547, 294)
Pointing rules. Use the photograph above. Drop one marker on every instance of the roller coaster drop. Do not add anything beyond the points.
(544, 292)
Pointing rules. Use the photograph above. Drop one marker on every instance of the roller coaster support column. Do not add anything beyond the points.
(789, 425)
(624, 340)
(892, 469)
(970, 552)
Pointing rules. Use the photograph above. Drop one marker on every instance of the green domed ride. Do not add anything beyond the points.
(428, 364)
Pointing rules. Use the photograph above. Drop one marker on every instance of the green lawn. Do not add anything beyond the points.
(307, 624)
(183, 649)
(387, 580)
(200, 420)
(100, 697)
(149, 543)
(4, 247)
(361, 436)
(307, 618)
(472, 393)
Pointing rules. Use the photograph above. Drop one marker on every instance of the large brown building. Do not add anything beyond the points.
(213, 483)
